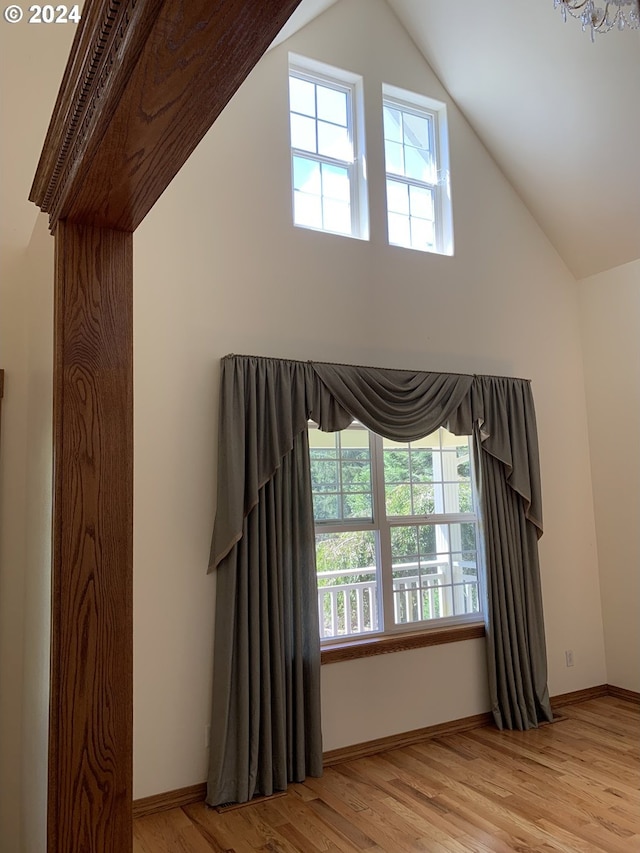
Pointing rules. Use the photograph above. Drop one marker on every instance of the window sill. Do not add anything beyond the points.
(365, 648)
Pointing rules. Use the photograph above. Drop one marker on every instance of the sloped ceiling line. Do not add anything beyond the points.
(560, 116)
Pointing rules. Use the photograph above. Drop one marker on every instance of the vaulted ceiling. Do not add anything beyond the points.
(560, 116)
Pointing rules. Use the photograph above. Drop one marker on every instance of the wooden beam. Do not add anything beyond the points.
(90, 717)
(146, 80)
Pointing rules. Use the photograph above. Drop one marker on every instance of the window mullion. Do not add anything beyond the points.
(340, 483)
(354, 183)
(322, 158)
(433, 518)
(411, 182)
(384, 535)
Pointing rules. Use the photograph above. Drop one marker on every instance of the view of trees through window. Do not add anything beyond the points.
(396, 530)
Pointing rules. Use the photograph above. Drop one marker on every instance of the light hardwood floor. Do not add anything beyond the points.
(570, 786)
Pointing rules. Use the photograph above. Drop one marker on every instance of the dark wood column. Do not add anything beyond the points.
(144, 82)
(90, 743)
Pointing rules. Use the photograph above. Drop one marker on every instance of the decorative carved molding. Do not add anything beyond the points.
(104, 53)
(146, 80)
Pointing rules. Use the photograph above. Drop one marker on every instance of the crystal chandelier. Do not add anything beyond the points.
(623, 14)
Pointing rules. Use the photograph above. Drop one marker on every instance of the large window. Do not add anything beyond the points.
(327, 148)
(417, 172)
(396, 532)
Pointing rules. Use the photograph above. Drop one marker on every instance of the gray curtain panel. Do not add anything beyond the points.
(266, 707)
(507, 471)
(265, 729)
(516, 650)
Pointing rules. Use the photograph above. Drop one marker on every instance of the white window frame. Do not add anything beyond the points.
(436, 112)
(381, 525)
(344, 81)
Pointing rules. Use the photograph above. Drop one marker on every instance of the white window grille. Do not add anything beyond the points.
(419, 212)
(327, 148)
(397, 539)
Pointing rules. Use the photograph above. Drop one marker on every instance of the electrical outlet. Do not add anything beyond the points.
(207, 737)
(568, 656)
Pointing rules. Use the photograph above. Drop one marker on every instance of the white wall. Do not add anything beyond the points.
(219, 268)
(25, 542)
(39, 506)
(610, 315)
(13, 455)
(31, 63)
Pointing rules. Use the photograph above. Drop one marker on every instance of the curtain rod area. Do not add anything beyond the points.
(373, 367)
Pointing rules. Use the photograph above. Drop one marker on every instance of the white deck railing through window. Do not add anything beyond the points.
(352, 608)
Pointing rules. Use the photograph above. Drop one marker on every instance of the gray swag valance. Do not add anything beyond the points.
(266, 402)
